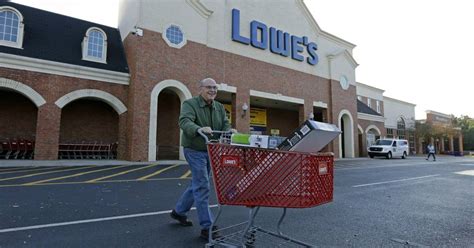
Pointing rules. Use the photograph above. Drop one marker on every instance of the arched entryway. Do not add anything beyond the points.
(19, 105)
(167, 134)
(372, 133)
(89, 127)
(346, 139)
(166, 117)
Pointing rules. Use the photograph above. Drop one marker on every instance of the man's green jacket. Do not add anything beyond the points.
(196, 113)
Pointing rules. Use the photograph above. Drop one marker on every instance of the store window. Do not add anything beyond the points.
(401, 129)
(344, 82)
(94, 45)
(11, 27)
(389, 133)
(174, 36)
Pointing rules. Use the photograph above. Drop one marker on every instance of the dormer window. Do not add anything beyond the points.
(11, 27)
(94, 45)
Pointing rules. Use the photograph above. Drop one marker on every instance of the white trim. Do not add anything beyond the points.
(183, 92)
(320, 104)
(278, 97)
(200, 8)
(24, 89)
(348, 135)
(368, 117)
(63, 69)
(178, 46)
(106, 97)
(438, 114)
(226, 88)
(369, 87)
(359, 127)
(85, 46)
(373, 127)
(400, 101)
(21, 27)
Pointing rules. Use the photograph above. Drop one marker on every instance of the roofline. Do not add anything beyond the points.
(396, 100)
(438, 113)
(58, 68)
(370, 87)
(63, 15)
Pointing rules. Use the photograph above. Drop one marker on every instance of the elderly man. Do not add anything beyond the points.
(203, 113)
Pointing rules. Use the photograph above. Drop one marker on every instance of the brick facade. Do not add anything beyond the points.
(48, 116)
(152, 61)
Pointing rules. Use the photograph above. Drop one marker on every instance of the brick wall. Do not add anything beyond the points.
(51, 88)
(88, 121)
(151, 61)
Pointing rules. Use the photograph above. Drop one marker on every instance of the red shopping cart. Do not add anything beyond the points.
(256, 177)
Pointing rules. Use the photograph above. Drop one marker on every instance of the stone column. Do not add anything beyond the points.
(47, 132)
(304, 111)
(122, 138)
(442, 145)
(461, 148)
(451, 143)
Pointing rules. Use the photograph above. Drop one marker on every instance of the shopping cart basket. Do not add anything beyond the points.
(255, 177)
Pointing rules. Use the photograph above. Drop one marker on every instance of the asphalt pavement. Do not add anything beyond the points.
(377, 203)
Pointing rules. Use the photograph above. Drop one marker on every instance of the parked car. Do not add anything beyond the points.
(389, 148)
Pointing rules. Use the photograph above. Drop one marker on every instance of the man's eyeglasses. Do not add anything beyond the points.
(210, 87)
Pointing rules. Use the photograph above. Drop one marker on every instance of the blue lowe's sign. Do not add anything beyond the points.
(280, 42)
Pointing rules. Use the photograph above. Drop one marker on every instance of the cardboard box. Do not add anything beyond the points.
(311, 136)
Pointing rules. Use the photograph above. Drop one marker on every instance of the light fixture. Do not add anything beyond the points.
(311, 116)
(245, 107)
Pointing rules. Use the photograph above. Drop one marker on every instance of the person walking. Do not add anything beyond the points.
(431, 152)
(202, 113)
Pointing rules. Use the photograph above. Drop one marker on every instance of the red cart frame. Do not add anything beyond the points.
(256, 177)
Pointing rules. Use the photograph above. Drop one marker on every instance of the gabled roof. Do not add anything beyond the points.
(54, 37)
(363, 108)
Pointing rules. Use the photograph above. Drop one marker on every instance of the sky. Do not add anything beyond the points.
(417, 51)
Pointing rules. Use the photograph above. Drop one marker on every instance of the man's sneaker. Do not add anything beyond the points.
(183, 220)
(205, 233)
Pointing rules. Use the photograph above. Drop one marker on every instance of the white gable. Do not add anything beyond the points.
(209, 22)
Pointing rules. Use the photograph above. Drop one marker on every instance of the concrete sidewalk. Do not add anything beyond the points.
(28, 163)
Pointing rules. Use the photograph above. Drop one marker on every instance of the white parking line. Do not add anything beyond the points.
(16, 229)
(393, 181)
(381, 166)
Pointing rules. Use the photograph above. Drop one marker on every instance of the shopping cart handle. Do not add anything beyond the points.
(203, 135)
(206, 137)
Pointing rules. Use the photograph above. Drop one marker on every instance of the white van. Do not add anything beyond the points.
(389, 148)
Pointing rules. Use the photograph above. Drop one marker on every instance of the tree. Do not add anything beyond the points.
(467, 128)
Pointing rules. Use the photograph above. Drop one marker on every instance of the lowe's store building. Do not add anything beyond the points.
(70, 83)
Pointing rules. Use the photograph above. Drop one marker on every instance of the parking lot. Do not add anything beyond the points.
(377, 203)
(30, 176)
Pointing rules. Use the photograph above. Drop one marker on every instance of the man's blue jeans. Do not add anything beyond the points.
(198, 191)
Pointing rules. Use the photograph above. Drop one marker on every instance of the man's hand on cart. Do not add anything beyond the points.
(233, 130)
(207, 130)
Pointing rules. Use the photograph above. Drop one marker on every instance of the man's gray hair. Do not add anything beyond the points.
(201, 83)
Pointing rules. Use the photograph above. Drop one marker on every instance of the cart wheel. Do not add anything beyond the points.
(250, 239)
